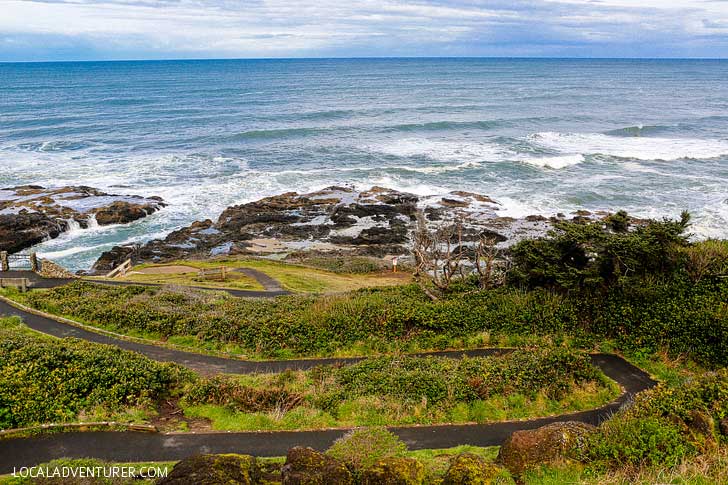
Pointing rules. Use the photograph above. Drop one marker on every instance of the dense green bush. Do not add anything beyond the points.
(635, 442)
(660, 426)
(46, 380)
(580, 255)
(439, 380)
(643, 313)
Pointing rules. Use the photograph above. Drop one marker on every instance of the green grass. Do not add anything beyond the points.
(297, 278)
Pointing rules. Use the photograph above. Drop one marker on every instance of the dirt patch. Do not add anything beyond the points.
(171, 418)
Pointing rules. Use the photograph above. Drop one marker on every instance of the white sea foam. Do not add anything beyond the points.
(641, 148)
(557, 162)
(441, 150)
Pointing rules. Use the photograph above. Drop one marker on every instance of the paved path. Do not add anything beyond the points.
(269, 283)
(45, 283)
(137, 446)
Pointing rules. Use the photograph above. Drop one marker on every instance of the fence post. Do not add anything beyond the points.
(34, 262)
(4, 261)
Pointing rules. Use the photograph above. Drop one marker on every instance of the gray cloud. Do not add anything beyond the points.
(62, 29)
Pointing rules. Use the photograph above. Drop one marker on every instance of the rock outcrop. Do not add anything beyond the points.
(30, 214)
(306, 466)
(547, 444)
(213, 470)
(470, 469)
(395, 471)
(340, 220)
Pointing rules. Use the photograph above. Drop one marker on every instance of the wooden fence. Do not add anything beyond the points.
(120, 270)
(219, 274)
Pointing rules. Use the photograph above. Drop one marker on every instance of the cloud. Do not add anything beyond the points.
(90, 29)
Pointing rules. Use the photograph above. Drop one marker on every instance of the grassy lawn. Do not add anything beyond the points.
(295, 278)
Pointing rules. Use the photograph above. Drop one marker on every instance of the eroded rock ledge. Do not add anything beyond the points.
(30, 214)
(376, 222)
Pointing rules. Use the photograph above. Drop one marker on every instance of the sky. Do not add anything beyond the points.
(40, 30)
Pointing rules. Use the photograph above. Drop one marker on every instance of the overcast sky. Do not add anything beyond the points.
(153, 29)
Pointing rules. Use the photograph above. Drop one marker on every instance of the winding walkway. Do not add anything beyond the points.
(137, 446)
(271, 286)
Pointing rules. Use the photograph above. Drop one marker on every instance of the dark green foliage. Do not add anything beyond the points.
(46, 380)
(634, 442)
(597, 254)
(660, 428)
(442, 381)
(224, 391)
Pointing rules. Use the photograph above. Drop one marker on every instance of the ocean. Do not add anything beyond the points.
(541, 136)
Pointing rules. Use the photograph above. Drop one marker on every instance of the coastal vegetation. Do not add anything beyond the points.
(641, 289)
(405, 391)
(49, 380)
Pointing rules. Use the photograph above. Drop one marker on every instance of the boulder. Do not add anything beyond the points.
(395, 471)
(470, 469)
(547, 444)
(723, 426)
(306, 466)
(213, 470)
(121, 213)
(30, 214)
(702, 430)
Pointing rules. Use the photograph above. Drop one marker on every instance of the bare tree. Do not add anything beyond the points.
(443, 256)
(489, 264)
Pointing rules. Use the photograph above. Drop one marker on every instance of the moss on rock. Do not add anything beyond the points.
(214, 470)
(395, 471)
(547, 444)
(470, 469)
(306, 466)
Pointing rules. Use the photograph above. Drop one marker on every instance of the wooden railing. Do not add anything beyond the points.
(120, 270)
(213, 273)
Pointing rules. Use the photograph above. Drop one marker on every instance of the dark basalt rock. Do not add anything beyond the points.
(378, 222)
(30, 214)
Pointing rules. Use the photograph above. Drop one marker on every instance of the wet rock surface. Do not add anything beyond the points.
(377, 222)
(30, 214)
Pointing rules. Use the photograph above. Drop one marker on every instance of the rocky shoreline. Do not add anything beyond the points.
(30, 214)
(377, 222)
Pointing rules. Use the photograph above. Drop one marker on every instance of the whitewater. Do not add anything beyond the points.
(540, 136)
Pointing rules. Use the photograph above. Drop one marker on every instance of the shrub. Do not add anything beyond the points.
(596, 254)
(226, 391)
(632, 442)
(363, 447)
(440, 380)
(45, 379)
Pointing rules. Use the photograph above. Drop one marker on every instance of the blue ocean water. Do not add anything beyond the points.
(541, 136)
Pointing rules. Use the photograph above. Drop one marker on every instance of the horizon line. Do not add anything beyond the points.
(323, 58)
